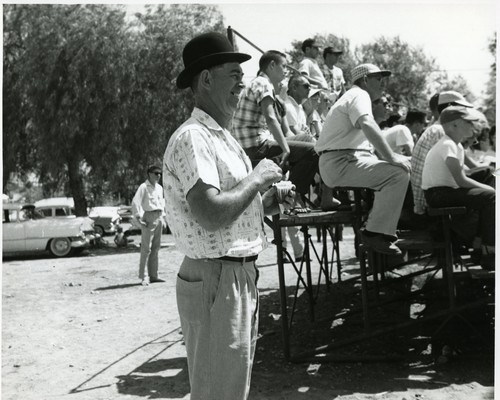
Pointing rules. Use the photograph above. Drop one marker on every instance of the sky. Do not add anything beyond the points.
(455, 33)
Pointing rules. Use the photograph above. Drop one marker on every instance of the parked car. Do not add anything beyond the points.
(125, 213)
(24, 229)
(104, 219)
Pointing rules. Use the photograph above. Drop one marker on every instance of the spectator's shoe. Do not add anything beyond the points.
(379, 243)
(145, 282)
(156, 280)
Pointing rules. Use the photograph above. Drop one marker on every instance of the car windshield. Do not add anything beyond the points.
(30, 213)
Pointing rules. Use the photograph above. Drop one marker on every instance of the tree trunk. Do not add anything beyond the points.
(76, 186)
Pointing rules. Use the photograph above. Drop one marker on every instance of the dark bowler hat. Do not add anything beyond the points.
(206, 51)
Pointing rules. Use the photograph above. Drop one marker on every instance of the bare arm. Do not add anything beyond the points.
(461, 179)
(214, 209)
(470, 163)
(274, 126)
(374, 135)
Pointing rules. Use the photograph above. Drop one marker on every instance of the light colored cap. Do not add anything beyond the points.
(452, 113)
(450, 96)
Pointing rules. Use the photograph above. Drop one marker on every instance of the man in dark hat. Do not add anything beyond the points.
(346, 146)
(215, 211)
(334, 75)
(148, 207)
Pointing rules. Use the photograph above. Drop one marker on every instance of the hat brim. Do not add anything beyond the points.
(186, 76)
(382, 72)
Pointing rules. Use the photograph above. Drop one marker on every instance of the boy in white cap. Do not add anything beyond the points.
(444, 181)
(346, 148)
(428, 139)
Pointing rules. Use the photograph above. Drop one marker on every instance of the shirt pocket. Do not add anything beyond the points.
(190, 300)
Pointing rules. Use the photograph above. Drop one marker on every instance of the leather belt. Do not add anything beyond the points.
(239, 259)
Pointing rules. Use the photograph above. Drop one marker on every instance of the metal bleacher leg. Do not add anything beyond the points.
(281, 276)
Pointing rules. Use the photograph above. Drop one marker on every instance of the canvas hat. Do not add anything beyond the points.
(312, 92)
(206, 51)
(154, 168)
(453, 113)
(367, 69)
(450, 96)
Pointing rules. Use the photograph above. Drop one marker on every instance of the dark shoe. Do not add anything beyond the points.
(156, 280)
(379, 243)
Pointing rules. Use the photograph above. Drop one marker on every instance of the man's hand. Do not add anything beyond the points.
(401, 161)
(266, 173)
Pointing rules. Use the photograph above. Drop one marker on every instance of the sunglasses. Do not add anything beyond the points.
(306, 85)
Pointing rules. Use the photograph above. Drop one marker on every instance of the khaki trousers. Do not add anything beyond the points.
(150, 243)
(218, 307)
(363, 169)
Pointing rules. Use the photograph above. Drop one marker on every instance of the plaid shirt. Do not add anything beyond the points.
(249, 124)
(428, 139)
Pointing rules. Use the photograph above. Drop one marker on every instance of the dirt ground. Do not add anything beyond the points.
(84, 328)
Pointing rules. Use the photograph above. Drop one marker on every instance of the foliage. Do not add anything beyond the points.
(91, 94)
(490, 102)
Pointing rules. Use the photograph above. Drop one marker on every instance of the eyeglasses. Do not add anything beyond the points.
(156, 173)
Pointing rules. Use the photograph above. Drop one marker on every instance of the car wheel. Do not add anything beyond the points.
(99, 229)
(60, 247)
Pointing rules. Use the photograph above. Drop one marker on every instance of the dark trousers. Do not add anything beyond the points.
(481, 200)
(303, 159)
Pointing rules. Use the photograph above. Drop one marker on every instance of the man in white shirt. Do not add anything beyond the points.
(401, 137)
(309, 66)
(298, 91)
(216, 213)
(346, 153)
(148, 207)
(334, 75)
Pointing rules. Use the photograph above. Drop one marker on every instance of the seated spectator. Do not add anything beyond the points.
(310, 106)
(480, 151)
(445, 183)
(346, 145)
(298, 92)
(334, 75)
(309, 67)
(428, 139)
(401, 137)
(260, 126)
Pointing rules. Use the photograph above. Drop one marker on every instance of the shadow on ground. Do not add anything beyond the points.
(430, 355)
(157, 379)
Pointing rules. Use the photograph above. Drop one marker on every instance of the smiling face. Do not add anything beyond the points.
(226, 87)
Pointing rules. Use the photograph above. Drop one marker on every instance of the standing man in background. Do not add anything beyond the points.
(148, 207)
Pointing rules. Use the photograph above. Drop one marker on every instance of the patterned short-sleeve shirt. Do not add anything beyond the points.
(201, 149)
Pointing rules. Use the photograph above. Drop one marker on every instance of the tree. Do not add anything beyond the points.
(70, 64)
(92, 96)
(155, 107)
(490, 102)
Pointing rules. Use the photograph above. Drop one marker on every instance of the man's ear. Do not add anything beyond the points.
(205, 79)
